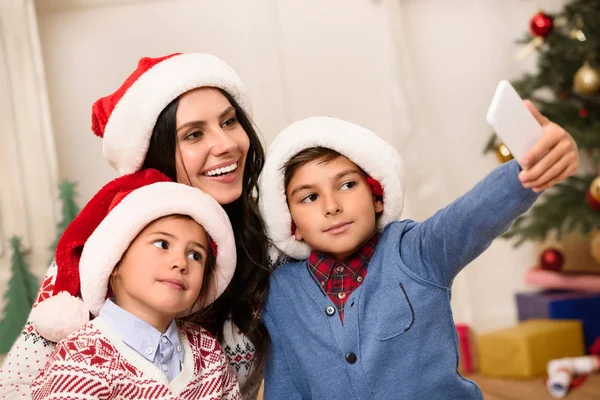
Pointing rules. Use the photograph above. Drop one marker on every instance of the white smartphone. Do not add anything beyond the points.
(512, 121)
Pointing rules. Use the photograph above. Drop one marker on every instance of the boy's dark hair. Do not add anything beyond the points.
(305, 156)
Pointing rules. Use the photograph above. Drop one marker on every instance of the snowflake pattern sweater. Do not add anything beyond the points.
(30, 353)
(94, 363)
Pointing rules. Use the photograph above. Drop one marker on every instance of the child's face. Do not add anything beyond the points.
(332, 206)
(160, 274)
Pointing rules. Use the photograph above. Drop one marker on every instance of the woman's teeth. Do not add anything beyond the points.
(222, 170)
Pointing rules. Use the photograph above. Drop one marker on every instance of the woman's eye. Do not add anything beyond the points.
(161, 244)
(194, 255)
(195, 135)
(348, 185)
(310, 198)
(230, 122)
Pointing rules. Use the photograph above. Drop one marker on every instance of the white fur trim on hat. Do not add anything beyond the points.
(58, 316)
(363, 147)
(105, 247)
(129, 128)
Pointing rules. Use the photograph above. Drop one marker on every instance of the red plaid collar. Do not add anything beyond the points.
(322, 265)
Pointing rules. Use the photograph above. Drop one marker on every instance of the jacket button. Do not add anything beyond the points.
(330, 310)
(351, 358)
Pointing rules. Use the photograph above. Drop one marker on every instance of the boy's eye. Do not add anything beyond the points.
(310, 198)
(194, 255)
(161, 244)
(348, 185)
(229, 122)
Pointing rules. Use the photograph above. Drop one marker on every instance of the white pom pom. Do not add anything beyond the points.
(58, 316)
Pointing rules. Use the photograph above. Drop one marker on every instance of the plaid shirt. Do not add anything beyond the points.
(339, 279)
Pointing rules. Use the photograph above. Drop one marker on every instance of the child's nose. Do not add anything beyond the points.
(179, 262)
(332, 207)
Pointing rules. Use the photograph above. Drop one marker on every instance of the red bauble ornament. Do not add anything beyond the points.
(592, 202)
(583, 113)
(552, 259)
(593, 194)
(540, 24)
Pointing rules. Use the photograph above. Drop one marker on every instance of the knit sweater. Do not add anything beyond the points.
(31, 351)
(398, 340)
(94, 363)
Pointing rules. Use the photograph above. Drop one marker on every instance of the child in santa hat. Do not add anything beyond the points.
(142, 252)
(366, 313)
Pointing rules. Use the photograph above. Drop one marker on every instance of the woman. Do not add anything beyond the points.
(188, 116)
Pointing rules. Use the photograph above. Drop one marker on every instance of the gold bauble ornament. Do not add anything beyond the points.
(586, 81)
(595, 246)
(503, 154)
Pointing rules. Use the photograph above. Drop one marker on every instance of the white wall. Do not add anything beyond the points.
(28, 171)
(418, 72)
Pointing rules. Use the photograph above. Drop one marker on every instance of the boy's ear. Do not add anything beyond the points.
(378, 204)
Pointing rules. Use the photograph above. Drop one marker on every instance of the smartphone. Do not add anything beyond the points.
(512, 121)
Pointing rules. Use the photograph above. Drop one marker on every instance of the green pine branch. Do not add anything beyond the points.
(563, 209)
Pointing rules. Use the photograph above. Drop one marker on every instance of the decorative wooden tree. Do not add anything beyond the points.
(22, 289)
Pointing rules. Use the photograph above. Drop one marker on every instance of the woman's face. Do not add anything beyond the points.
(212, 146)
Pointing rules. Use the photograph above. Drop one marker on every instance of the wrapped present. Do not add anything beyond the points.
(466, 348)
(581, 306)
(545, 279)
(522, 351)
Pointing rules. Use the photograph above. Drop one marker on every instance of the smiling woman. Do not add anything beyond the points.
(188, 116)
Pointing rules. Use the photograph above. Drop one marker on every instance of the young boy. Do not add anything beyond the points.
(366, 313)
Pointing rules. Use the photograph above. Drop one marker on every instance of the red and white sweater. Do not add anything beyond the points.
(31, 352)
(94, 363)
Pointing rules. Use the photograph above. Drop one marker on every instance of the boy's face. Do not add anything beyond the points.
(160, 274)
(332, 206)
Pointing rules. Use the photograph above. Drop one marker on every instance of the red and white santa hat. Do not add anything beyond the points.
(126, 118)
(370, 152)
(97, 238)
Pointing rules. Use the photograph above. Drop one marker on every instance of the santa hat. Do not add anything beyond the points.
(95, 241)
(376, 157)
(126, 118)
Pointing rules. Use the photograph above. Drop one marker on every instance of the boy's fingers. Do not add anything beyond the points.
(553, 134)
(538, 115)
(542, 165)
(568, 171)
(553, 172)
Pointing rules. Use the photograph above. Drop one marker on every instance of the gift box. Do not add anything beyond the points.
(563, 305)
(466, 349)
(523, 351)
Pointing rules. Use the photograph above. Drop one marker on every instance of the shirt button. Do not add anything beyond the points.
(322, 283)
(340, 268)
(163, 339)
(165, 368)
(341, 295)
(359, 279)
(148, 350)
(351, 358)
(179, 349)
(330, 310)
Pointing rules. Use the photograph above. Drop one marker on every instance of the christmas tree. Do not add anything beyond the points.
(69, 209)
(566, 88)
(22, 289)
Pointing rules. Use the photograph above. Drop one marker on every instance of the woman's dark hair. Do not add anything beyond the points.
(247, 291)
